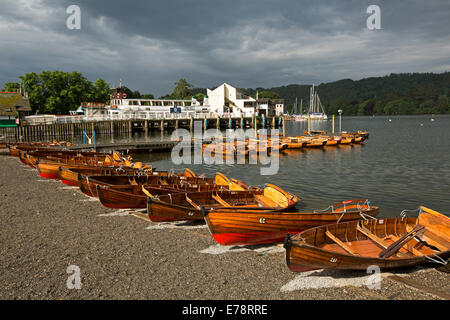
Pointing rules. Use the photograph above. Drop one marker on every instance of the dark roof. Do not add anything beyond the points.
(11, 103)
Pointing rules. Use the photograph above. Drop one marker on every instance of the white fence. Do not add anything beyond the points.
(52, 119)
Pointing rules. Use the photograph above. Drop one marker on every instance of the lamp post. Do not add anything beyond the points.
(340, 120)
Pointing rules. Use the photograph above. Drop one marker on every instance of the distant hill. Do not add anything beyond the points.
(406, 93)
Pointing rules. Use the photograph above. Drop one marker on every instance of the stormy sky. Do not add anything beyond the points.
(247, 43)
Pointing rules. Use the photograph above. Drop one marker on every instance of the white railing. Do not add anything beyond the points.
(137, 115)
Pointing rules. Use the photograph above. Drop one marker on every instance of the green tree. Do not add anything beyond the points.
(147, 96)
(57, 91)
(268, 94)
(100, 91)
(442, 104)
(199, 97)
(182, 90)
(11, 87)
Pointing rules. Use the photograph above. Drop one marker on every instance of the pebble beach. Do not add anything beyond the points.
(47, 226)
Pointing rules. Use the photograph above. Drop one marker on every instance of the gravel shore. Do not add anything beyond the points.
(47, 227)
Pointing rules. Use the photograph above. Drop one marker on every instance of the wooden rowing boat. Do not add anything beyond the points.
(30, 157)
(182, 206)
(386, 243)
(135, 196)
(303, 142)
(258, 227)
(48, 167)
(88, 184)
(70, 176)
(110, 189)
(33, 146)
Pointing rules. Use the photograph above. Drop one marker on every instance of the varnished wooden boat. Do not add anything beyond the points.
(345, 138)
(258, 227)
(30, 157)
(363, 134)
(15, 149)
(33, 146)
(386, 243)
(133, 196)
(50, 169)
(226, 149)
(182, 206)
(70, 176)
(111, 189)
(304, 142)
(232, 184)
(88, 184)
(243, 148)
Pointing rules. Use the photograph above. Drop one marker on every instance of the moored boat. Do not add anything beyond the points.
(183, 206)
(70, 176)
(263, 226)
(88, 183)
(135, 196)
(387, 243)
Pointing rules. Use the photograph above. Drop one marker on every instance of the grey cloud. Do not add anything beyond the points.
(248, 43)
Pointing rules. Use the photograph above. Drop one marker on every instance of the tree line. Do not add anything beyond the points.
(408, 93)
(57, 92)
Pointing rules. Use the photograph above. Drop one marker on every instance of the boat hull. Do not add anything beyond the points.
(386, 243)
(246, 228)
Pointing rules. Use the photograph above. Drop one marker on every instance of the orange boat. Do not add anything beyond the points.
(71, 175)
(387, 243)
(182, 206)
(262, 226)
(49, 168)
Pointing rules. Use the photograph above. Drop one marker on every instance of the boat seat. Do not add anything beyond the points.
(376, 239)
(266, 201)
(402, 241)
(340, 243)
(433, 239)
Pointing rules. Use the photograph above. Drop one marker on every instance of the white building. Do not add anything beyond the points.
(121, 107)
(270, 107)
(226, 100)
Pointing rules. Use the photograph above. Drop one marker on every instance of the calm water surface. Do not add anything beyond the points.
(405, 163)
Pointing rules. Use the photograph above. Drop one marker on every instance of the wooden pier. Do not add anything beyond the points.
(128, 147)
(68, 131)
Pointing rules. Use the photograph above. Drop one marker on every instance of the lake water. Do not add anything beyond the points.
(404, 164)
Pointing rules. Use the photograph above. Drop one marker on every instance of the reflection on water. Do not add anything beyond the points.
(404, 164)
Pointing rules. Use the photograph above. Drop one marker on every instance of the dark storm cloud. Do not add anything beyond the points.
(151, 44)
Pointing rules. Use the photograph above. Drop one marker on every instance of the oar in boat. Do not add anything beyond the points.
(397, 245)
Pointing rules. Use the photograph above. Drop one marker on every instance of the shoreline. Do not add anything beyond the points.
(47, 226)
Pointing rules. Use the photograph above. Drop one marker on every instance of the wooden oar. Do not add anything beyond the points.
(397, 245)
(145, 191)
(220, 200)
(196, 206)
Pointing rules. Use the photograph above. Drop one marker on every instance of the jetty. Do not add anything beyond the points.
(67, 131)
